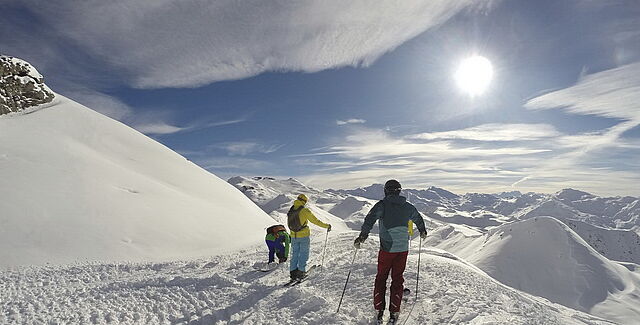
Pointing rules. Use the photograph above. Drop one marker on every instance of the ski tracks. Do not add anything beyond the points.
(225, 290)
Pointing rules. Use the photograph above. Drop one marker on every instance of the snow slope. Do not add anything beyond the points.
(616, 244)
(544, 257)
(225, 290)
(79, 186)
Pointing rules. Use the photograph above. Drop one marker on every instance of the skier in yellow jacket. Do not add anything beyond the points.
(297, 219)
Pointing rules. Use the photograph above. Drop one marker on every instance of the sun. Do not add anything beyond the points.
(474, 75)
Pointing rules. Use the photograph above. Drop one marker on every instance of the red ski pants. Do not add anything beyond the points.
(393, 263)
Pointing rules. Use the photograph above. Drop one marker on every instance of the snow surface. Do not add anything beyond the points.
(79, 186)
(224, 289)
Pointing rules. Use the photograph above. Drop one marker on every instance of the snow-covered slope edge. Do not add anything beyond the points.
(544, 257)
(79, 186)
(225, 290)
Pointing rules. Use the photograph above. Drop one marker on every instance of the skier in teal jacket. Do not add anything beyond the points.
(393, 213)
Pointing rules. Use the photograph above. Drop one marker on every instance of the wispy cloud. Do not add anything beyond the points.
(246, 148)
(102, 103)
(612, 93)
(158, 128)
(350, 121)
(494, 132)
(157, 122)
(527, 157)
(227, 39)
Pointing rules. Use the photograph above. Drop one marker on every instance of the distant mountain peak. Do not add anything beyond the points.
(573, 195)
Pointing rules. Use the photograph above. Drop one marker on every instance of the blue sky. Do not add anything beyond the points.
(347, 94)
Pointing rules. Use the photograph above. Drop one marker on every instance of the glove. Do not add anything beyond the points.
(423, 235)
(329, 228)
(358, 242)
(282, 260)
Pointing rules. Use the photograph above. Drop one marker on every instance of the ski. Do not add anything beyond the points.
(290, 283)
(265, 267)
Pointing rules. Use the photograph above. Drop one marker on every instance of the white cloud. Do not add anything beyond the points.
(245, 148)
(350, 121)
(101, 103)
(612, 93)
(539, 159)
(156, 122)
(158, 128)
(494, 132)
(189, 43)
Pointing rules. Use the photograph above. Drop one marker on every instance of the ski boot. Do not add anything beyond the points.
(394, 318)
(379, 316)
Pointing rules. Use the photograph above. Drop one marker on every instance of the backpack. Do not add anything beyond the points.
(293, 219)
(275, 229)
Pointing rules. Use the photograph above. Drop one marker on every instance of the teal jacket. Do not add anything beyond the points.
(394, 214)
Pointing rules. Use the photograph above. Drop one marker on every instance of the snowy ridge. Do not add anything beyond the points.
(616, 244)
(225, 290)
(106, 192)
(544, 257)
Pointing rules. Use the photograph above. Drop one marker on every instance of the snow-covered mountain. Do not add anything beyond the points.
(79, 186)
(544, 257)
(275, 197)
(609, 225)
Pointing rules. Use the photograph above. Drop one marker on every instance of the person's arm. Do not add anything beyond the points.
(287, 241)
(374, 214)
(309, 215)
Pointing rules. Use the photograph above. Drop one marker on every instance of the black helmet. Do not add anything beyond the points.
(392, 187)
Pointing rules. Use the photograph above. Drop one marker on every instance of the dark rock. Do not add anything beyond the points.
(21, 86)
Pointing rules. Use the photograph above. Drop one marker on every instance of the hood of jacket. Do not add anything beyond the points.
(298, 203)
(395, 199)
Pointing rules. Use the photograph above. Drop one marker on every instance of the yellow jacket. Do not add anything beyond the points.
(305, 215)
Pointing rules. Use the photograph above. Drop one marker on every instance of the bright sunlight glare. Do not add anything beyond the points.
(474, 75)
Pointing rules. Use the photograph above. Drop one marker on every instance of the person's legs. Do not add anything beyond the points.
(397, 269)
(384, 266)
(272, 250)
(279, 248)
(295, 254)
(305, 242)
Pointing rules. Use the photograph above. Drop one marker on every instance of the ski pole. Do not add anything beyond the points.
(348, 275)
(417, 282)
(418, 276)
(325, 248)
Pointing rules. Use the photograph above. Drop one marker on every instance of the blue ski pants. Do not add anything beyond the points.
(275, 247)
(300, 253)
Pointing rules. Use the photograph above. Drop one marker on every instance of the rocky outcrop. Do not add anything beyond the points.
(21, 86)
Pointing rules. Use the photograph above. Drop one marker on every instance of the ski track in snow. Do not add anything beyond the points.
(227, 290)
